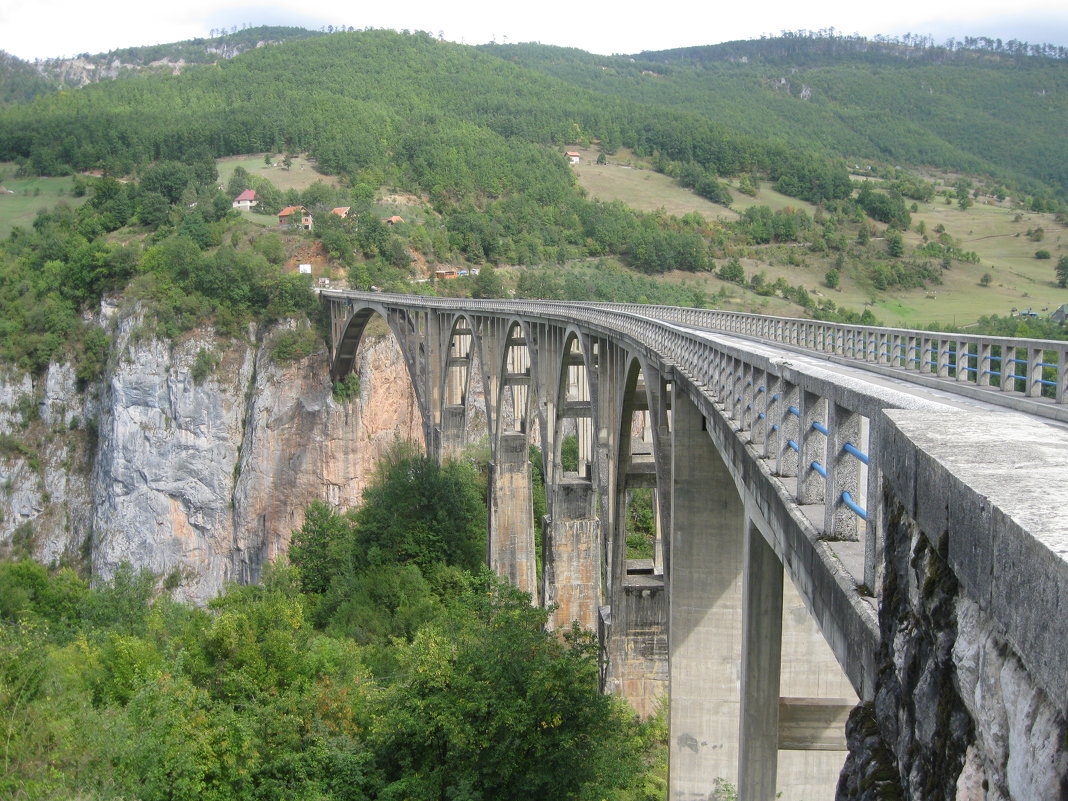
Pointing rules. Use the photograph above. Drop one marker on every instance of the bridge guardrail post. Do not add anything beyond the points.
(811, 484)
(845, 472)
(789, 426)
(1061, 390)
(748, 398)
(896, 350)
(942, 348)
(1034, 372)
(873, 536)
(963, 361)
(737, 388)
(985, 363)
(1008, 369)
(759, 431)
(772, 413)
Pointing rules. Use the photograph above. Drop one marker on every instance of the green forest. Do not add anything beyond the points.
(382, 661)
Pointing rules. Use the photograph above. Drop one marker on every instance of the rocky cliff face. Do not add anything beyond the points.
(200, 481)
(956, 715)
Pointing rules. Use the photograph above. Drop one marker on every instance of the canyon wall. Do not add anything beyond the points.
(199, 475)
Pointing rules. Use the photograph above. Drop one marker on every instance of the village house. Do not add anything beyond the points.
(341, 211)
(295, 216)
(246, 200)
(573, 157)
(393, 220)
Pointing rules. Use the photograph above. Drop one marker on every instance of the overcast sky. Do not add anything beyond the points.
(52, 28)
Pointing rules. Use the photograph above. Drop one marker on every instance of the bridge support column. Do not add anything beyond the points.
(451, 441)
(571, 552)
(707, 528)
(511, 536)
(762, 587)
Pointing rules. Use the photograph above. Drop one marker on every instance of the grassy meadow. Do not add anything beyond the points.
(300, 175)
(995, 231)
(24, 197)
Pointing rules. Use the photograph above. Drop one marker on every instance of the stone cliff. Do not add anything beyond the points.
(200, 480)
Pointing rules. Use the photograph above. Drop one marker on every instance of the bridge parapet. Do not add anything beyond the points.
(1032, 374)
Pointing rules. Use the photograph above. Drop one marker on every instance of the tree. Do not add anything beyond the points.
(309, 550)
(491, 705)
(1062, 271)
(239, 182)
(895, 245)
(488, 284)
(832, 279)
(419, 511)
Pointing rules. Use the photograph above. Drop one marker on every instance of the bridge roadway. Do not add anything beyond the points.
(773, 447)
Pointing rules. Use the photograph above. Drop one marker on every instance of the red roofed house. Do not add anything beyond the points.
(393, 220)
(573, 157)
(246, 200)
(295, 216)
(341, 211)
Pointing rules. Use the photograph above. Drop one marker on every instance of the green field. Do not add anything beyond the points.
(24, 197)
(299, 176)
(641, 188)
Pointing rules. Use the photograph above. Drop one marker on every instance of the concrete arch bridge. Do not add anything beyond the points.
(859, 538)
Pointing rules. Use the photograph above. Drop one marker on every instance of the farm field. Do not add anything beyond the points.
(26, 196)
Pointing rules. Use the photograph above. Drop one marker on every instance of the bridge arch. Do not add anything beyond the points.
(512, 527)
(572, 537)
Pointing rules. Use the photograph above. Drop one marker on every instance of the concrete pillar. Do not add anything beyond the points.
(572, 556)
(451, 443)
(762, 587)
(511, 536)
(637, 644)
(704, 638)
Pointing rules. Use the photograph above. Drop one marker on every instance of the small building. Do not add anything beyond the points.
(1060, 314)
(295, 217)
(573, 157)
(393, 220)
(341, 211)
(246, 200)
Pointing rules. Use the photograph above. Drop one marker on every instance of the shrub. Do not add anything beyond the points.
(205, 363)
(1043, 254)
(347, 388)
(290, 346)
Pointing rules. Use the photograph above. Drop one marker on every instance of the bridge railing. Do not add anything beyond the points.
(814, 428)
(1029, 368)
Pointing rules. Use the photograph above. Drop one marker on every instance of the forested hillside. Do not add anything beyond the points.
(474, 138)
(990, 111)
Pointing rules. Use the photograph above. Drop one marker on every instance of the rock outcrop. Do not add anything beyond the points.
(199, 479)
